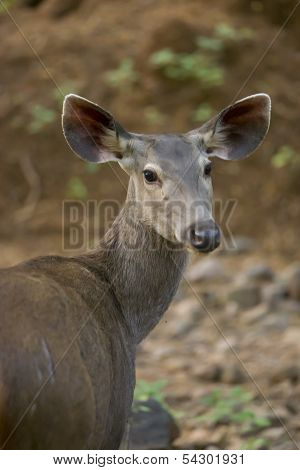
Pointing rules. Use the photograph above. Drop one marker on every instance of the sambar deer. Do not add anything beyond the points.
(70, 326)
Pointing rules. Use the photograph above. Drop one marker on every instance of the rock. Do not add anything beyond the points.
(231, 309)
(31, 3)
(260, 272)
(191, 439)
(293, 404)
(211, 298)
(274, 293)
(233, 374)
(293, 401)
(287, 372)
(239, 245)
(228, 373)
(245, 296)
(182, 329)
(289, 306)
(185, 315)
(58, 9)
(273, 434)
(275, 322)
(286, 444)
(291, 338)
(189, 309)
(294, 422)
(293, 284)
(210, 269)
(204, 438)
(218, 437)
(151, 427)
(289, 271)
(208, 372)
(255, 314)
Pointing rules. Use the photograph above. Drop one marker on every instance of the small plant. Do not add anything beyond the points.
(202, 64)
(145, 390)
(203, 113)
(225, 31)
(40, 117)
(7, 4)
(255, 443)
(125, 74)
(210, 43)
(286, 156)
(64, 89)
(153, 115)
(188, 66)
(92, 167)
(257, 6)
(233, 407)
(76, 189)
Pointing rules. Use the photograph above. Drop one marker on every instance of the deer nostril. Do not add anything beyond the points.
(197, 237)
(205, 240)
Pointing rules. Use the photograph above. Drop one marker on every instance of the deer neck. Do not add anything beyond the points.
(143, 268)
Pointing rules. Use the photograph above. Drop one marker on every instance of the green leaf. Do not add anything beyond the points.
(255, 443)
(210, 43)
(153, 115)
(92, 167)
(76, 188)
(212, 398)
(41, 116)
(125, 74)
(64, 89)
(163, 57)
(203, 113)
(145, 390)
(230, 406)
(225, 31)
(261, 422)
(140, 407)
(243, 416)
(285, 156)
(7, 4)
(197, 65)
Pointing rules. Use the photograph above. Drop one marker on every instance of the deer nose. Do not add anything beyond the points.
(205, 237)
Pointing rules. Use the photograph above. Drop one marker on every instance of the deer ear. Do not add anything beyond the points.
(92, 132)
(238, 130)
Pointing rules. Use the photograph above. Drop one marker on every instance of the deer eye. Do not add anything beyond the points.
(150, 176)
(207, 169)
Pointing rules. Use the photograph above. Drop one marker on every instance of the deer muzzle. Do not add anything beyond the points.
(204, 237)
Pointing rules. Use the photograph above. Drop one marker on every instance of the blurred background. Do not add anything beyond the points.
(168, 66)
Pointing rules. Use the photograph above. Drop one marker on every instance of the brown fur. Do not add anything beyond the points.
(45, 303)
(69, 327)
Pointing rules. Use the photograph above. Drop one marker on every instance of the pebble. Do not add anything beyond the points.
(274, 293)
(239, 245)
(245, 296)
(260, 272)
(293, 285)
(210, 269)
(151, 427)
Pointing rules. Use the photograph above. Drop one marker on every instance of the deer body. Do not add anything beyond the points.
(69, 327)
(55, 297)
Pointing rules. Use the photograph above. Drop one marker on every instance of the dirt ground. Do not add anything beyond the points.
(72, 46)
